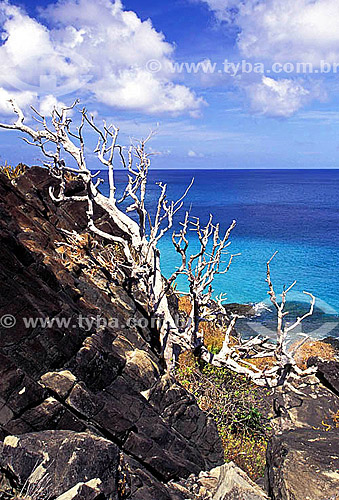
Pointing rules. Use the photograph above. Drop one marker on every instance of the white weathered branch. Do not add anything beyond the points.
(139, 240)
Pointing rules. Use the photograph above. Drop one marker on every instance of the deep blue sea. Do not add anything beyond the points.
(293, 211)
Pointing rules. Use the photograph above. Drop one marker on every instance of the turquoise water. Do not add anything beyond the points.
(293, 211)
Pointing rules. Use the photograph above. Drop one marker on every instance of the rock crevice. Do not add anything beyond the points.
(63, 383)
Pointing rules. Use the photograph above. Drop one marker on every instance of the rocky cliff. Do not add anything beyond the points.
(91, 406)
(86, 410)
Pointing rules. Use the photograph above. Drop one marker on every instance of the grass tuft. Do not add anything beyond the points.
(13, 172)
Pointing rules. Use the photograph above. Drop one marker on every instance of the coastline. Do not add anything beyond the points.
(261, 319)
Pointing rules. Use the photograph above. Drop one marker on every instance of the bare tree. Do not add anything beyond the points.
(235, 354)
(286, 368)
(139, 238)
(200, 269)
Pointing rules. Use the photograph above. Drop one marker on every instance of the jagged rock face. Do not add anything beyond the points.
(313, 408)
(328, 373)
(303, 455)
(226, 482)
(59, 461)
(303, 465)
(106, 381)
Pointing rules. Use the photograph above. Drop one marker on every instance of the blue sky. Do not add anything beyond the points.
(101, 53)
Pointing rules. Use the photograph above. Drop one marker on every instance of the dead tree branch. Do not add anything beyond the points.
(138, 237)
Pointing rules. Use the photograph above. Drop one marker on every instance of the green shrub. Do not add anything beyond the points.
(232, 401)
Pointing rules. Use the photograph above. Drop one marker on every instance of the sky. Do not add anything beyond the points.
(225, 83)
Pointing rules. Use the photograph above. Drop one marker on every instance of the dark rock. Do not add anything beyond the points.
(139, 484)
(246, 310)
(49, 415)
(328, 373)
(173, 302)
(313, 407)
(179, 409)
(303, 465)
(62, 459)
(334, 342)
(68, 377)
(303, 455)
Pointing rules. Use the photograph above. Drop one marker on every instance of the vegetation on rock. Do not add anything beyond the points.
(13, 172)
(233, 401)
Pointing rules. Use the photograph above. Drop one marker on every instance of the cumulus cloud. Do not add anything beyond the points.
(284, 30)
(94, 48)
(277, 98)
(48, 103)
(24, 99)
(280, 31)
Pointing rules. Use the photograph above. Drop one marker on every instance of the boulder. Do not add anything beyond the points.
(247, 310)
(83, 491)
(312, 406)
(303, 464)
(328, 373)
(227, 482)
(59, 382)
(60, 461)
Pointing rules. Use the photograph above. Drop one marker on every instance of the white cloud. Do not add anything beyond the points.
(138, 89)
(280, 31)
(95, 47)
(28, 52)
(284, 30)
(290, 30)
(223, 9)
(48, 103)
(277, 98)
(24, 99)
(194, 154)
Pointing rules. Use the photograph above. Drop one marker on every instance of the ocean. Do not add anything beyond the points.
(294, 212)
